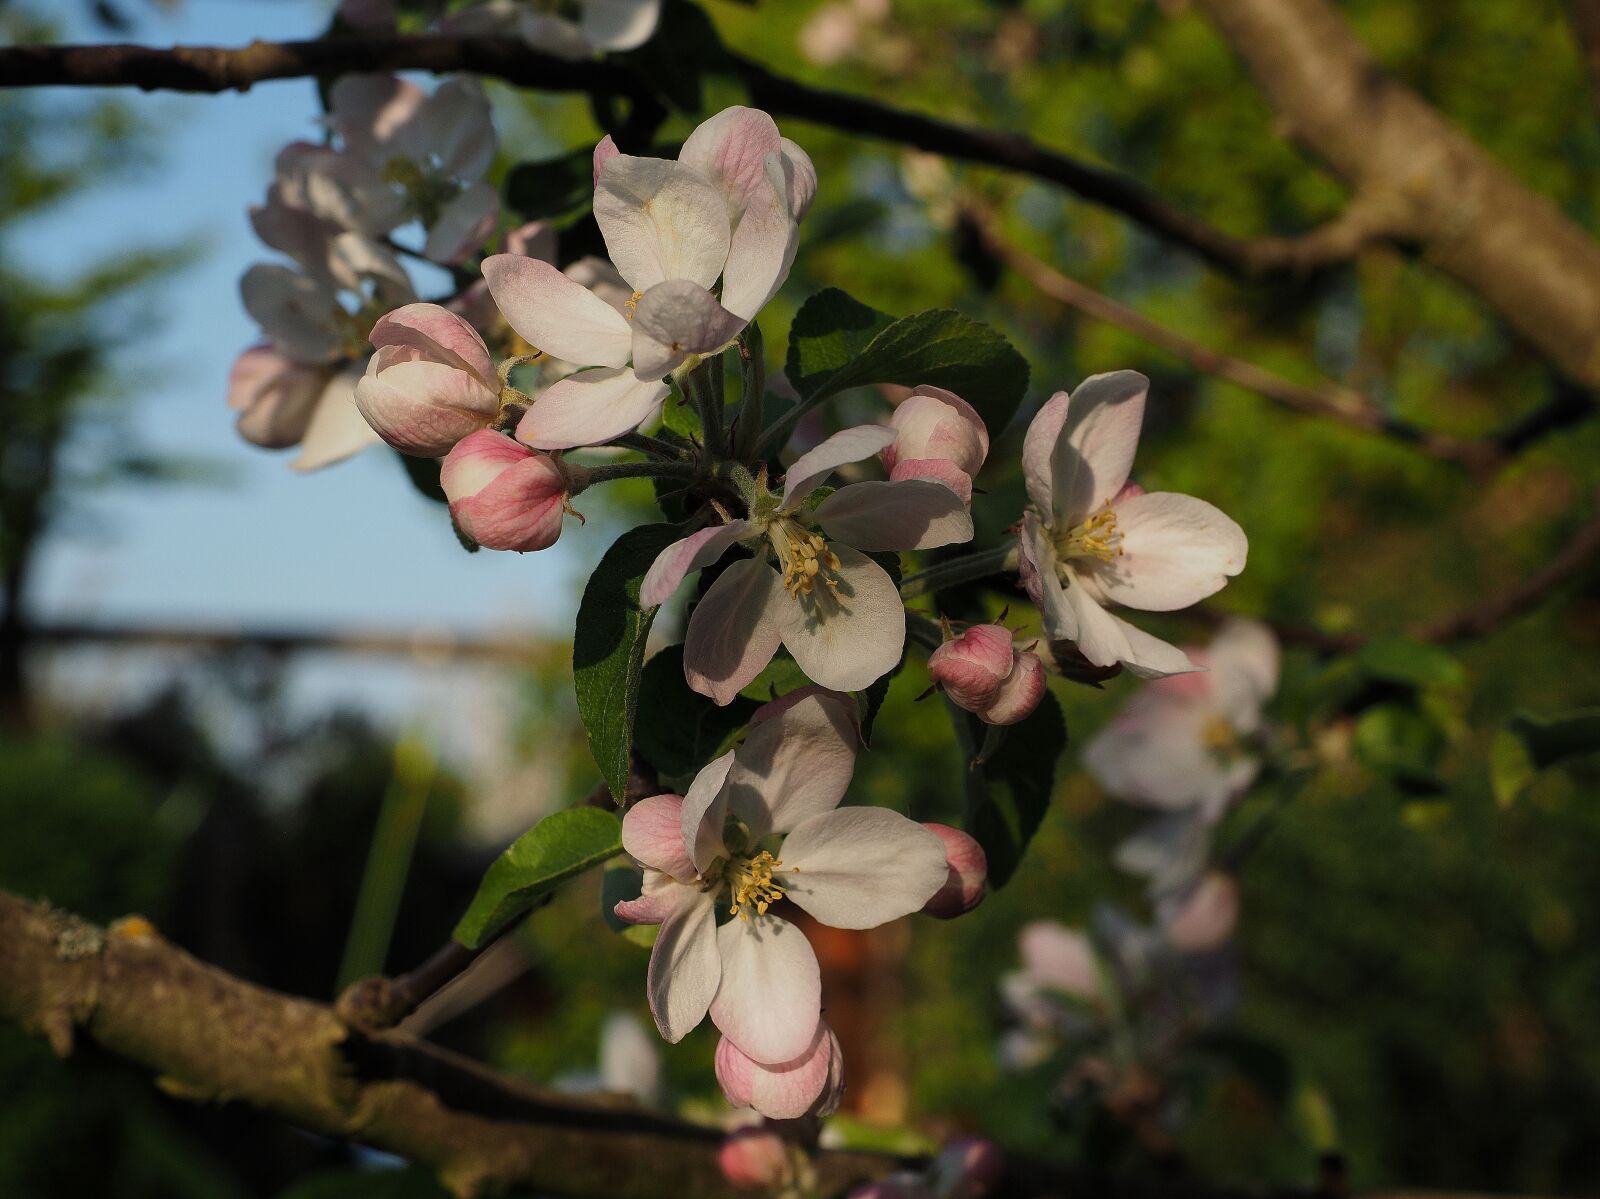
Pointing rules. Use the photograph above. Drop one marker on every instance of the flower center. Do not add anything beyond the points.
(1218, 736)
(750, 884)
(1096, 537)
(631, 304)
(803, 557)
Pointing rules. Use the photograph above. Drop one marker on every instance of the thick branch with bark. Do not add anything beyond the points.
(1470, 216)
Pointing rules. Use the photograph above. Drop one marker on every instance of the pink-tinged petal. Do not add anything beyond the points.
(464, 224)
(971, 667)
(1020, 694)
(555, 314)
(536, 239)
(502, 495)
(295, 311)
(367, 111)
(731, 637)
(966, 874)
(861, 867)
(675, 319)
(355, 261)
(1150, 657)
(939, 470)
(731, 149)
(422, 407)
(1244, 672)
(1154, 753)
(763, 247)
(652, 833)
(604, 151)
(618, 25)
(809, 470)
(441, 335)
(935, 423)
(682, 558)
(749, 1157)
(1060, 957)
(770, 999)
(786, 1091)
(1175, 551)
(297, 232)
(1039, 446)
(1205, 918)
(912, 514)
(1091, 463)
(968, 1168)
(685, 965)
(551, 35)
(1106, 640)
(273, 395)
(336, 430)
(1036, 568)
(352, 194)
(661, 220)
(800, 178)
(705, 809)
(600, 277)
(795, 763)
(659, 897)
(843, 704)
(590, 408)
(454, 126)
(844, 638)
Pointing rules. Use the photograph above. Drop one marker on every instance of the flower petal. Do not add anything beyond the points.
(661, 220)
(780, 1092)
(1060, 957)
(861, 867)
(556, 315)
(685, 965)
(1176, 550)
(911, 514)
(845, 639)
(731, 637)
(273, 395)
(1036, 566)
(590, 408)
(675, 319)
(1106, 640)
(934, 423)
(422, 407)
(1244, 671)
(652, 833)
(1038, 446)
(618, 25)
(794, 764)
(1154, 753)
(1090, 465)
(800, 178)
(452, 126)
(464, 224)
(705, 807)
(770, 999)
(658, 898)
(441, 335)
(366, 110)
(731, 150)
(763, 246)
(847, 445)
(336, 430)
(940, 470)
(295, 311)
(683, 557)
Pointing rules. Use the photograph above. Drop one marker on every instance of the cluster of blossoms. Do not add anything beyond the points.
(697, 245)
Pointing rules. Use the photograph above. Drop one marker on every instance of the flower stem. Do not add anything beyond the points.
(703, 385)
(978, 565)
(583, 477)
(650, 445)
(747, 427)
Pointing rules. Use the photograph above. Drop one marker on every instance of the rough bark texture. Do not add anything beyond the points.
(1425, 181)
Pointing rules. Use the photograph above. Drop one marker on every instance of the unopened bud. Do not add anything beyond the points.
(430, 384)
(503, 495)
(753, 1157)
(968, 880)
(971, 667)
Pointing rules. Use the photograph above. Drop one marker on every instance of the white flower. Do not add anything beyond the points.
(283, 403)
(1180, 744)
(1090, 539)
(835, 609)
(710, 855)
(726, 210)
(613, 25)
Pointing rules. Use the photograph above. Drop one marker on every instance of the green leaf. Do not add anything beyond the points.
(1414, 663)
(608, 648)
(561, 846)
(679, 416)
(1010, 793)
(1395, 739)
(551, 187)
(680, 730)
(1530, 744)
(837, 342)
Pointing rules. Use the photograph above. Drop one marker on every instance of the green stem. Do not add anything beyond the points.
(753, 394)
(923, 631)
(584, 477)
(650, 445)
(978, 565)
(703, 386)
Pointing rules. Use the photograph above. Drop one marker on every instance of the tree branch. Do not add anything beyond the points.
(1470, 217)
(1585, 18)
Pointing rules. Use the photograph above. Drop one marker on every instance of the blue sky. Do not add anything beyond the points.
(351, 545)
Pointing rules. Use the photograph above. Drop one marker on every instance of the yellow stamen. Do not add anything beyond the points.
(1097, 537)
(804, 558)
(1218, 736)
(632, 304)
(750, 885)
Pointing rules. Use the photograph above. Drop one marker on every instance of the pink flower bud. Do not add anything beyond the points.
(968, 881)
(971, 667)
(938, 436)
(753, 1157)
(503, 495)
(811, 1085)
(968, 1168)
(274, 396)
(1205, 919)
(1020, 693)
(431, 382)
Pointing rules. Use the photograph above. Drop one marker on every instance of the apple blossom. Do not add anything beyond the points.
(812, 1084)
(981, 671)
(629, 1061)
(968, 879)
(431, 381)
(705, 857)
(503, 495)
(1203, 919)
(1060, 976)
(753, 1157)
(602, 25)
(1088, 540)
(938, 435)
(1182, 743)
(835, 609)
(282, 403)
(726, 209)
